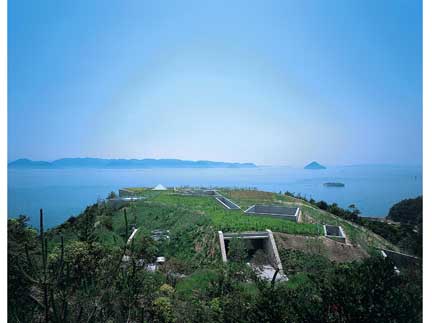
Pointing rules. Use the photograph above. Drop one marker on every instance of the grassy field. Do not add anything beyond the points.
(193, 222)
(235, 220)
(163, 208)
(357, 235)
(193, 269)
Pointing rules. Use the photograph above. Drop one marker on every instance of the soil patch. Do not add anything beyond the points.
(333, 250)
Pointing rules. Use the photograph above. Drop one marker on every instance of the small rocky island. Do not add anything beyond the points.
(314, 165)
(334, 184)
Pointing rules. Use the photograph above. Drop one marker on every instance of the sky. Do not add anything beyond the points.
(269, 82)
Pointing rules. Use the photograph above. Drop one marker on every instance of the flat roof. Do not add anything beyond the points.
(333, 230)
(273, 210)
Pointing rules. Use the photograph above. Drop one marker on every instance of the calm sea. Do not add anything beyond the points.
(65, 192)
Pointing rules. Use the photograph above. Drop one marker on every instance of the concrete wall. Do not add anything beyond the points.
(269, 244)
(402, 260)
(283, 212)
(126, 193)
(197, 192)
(222, 246)
(117, 203)
(273, 209)
(227, 203)
(271, 248)
(334, 232)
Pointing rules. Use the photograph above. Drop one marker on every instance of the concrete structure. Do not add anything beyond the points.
(277, 211)
(117, 203)
(159, 187)
(379, 219)
(204, 192)
(135, 230)
(160, 260)
(227, 203)
(210, 192)
(132, 198)
(160, 234)
(401, 260)
(264, 241)
(197, 192)
(334, 232)
(123, 192)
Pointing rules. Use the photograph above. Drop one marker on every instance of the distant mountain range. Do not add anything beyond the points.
(123, 163)
(314, 165)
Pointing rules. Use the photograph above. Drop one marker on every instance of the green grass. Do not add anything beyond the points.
(294, 261)
(236, 220)
(197, 282)
(190, 233)
(297, 280)
(356, 234)
(193, 222)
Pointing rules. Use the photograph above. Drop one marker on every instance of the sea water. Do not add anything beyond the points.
(65, 192)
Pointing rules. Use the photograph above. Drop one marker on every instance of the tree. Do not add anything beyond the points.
(146, 249)
(85, 225)
(409, 211)
(111, 195)
(22, 241)
(237, 251)
(351, 293)
(322, 205)
(355, 212)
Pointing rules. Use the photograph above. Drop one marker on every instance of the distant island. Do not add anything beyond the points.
(334, 184)
(314, 165)
(123, 163)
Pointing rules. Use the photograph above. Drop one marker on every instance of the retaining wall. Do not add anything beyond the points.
(268, 246)
(284, 212)
(334, 232)
(228, 204)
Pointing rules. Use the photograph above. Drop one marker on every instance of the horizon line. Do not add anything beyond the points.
(231, 162)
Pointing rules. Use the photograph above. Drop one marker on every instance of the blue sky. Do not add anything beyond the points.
(270, 82)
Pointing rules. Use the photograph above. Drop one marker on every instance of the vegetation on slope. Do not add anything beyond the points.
(409, 211)
(408, 234)
(316, 212)
(235, 220)
(87, 283)
(75, 272)
(405, 236)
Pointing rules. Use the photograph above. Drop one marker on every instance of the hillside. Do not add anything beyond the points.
(108, 258)
(186, 216)
(314, 165)
(409, 211)
(124, 163)
(27, 163)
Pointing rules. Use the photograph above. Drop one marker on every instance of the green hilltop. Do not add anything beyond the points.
(170, 210)
(105, 264)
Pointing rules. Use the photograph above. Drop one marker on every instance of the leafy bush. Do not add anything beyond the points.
(409, 211)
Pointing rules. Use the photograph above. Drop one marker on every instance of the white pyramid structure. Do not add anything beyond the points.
(159, 187)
